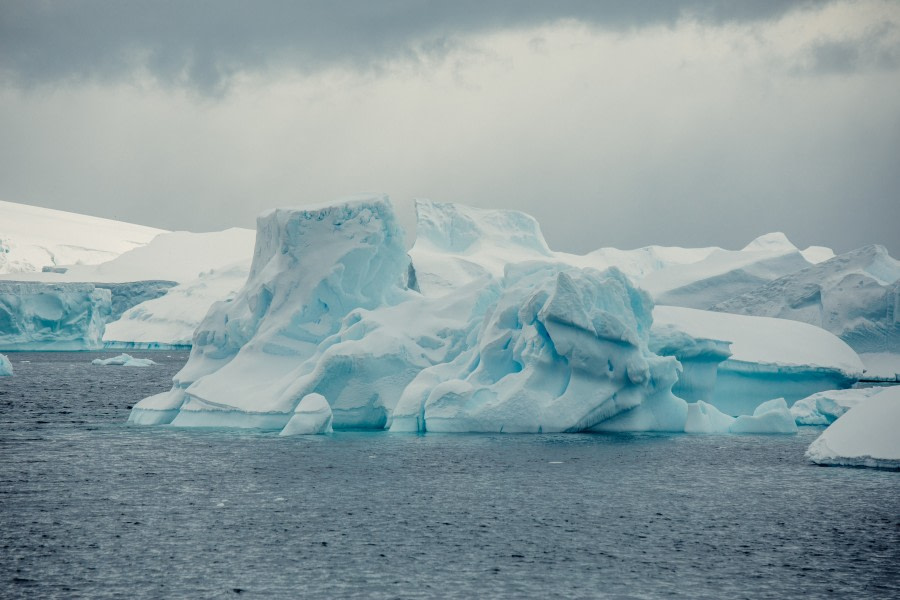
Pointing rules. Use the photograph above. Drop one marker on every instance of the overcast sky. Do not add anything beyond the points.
(615, 124)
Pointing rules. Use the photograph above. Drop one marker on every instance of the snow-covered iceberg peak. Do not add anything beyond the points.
(311, 267)
(771, 242)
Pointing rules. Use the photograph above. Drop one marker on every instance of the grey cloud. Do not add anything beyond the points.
(878, 48)
(202, 44)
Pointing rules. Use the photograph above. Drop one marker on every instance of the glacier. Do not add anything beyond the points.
(6, 368)
(864, 436)
(33, 239)
(855, 295)
(480, 327)
(723, 274)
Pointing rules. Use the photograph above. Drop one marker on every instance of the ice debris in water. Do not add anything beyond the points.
(123, 360)
(5, 366)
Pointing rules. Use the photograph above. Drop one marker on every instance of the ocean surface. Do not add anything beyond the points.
(91, 507)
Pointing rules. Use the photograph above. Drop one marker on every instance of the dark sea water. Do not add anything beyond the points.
(93, 508)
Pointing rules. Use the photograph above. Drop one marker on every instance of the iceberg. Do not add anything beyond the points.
(865, 436)
(772, 416)
(66, 316)
(123, 360)
(6, 368)
(333, 313)
(39, 316)
(855, 295)
(881, 366)
(823, 408)
(315, 270)
(737, 362)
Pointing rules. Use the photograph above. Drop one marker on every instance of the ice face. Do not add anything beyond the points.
(765, 357)
(37, 316)
(313, 416)
(562, 350)
(311, 268)
(865, 436)
(6, 368)
(855, 295)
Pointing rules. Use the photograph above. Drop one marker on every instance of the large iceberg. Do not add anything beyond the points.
(486, 330)
(736, 362)
(855, 295)
(6, 368)
(865, 436)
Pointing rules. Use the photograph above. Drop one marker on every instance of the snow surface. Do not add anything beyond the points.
(881, 366)
(723, 274)
(332, 308)
(6, 368)
(855, 295)
(123, 360)
(171, 320)
(32, 238)
(823, 408)
(768, 357)
(865, 436)
(178, 256)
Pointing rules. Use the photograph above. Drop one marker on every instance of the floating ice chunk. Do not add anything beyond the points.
(312, 416)
(706, 418)
(6, 368)
(824, 408)
(123, 360)
(865, 436)
(769, 417)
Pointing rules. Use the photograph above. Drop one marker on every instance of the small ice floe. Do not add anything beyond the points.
(123, 360)
(5, 366)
